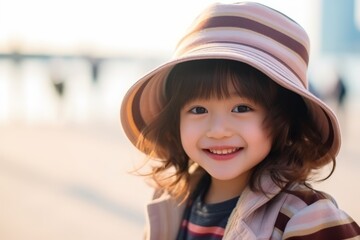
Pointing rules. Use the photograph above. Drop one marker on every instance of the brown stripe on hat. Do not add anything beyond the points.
(295, 69)
(135, 108)
(128, 119)
(234, 39)
(252, 25)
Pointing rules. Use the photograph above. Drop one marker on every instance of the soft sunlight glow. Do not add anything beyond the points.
(134, 29)
(77, 26)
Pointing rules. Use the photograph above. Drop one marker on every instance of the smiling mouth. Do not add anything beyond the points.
(223, 151)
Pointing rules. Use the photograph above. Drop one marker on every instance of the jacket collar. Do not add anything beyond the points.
(164, 208)
(247, 204)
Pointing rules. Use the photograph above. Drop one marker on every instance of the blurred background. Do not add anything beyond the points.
(64, 68)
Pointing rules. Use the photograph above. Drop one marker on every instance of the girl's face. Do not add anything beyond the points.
(226, 137)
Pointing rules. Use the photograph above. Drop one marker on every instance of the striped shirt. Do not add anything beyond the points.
(205, 221)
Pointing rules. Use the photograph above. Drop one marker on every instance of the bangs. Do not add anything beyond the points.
(205, 79)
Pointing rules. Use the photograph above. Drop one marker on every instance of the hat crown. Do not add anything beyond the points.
(253, 25)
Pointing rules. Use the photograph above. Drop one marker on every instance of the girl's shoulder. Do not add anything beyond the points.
(311, 214)
(299, 196)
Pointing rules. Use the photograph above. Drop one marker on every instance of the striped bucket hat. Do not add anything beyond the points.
(247, 32)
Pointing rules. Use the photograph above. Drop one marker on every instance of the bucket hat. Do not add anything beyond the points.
(248, 32)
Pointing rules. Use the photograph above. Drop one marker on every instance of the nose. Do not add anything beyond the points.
(219, 127)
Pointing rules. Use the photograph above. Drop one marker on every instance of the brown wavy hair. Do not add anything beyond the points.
(297, 148)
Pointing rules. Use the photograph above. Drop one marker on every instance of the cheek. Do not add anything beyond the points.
(189, 134)
(259, 136)
(265, 140)
(184, 136)
(186, 131)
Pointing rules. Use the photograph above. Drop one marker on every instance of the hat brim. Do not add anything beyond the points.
(144, 99)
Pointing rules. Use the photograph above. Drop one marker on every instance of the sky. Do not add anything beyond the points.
(113, 26)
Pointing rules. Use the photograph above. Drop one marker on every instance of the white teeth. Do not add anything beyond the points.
(223, 151)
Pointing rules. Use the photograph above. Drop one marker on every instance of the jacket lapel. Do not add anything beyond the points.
(238, 224)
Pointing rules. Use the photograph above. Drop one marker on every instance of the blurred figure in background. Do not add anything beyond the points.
(336, 94)
(340, 92)
(95, 67)
(58, 80)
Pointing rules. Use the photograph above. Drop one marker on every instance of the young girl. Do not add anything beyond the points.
(234, 133)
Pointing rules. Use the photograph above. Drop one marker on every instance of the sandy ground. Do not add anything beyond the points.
(67, 181)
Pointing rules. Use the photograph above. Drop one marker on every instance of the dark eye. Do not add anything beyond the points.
(241, 109)
(198, 110)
